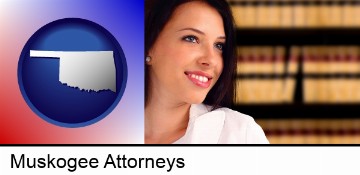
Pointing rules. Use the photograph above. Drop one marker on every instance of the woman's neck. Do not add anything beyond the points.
(165, 122)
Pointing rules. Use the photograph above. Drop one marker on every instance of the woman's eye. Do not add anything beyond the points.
(220, 46)
(191, 38)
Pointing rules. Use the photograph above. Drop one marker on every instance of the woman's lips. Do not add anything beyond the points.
(199, 78)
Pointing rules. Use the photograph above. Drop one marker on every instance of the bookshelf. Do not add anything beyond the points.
(296, 13)
(299, 37)
(299, 68)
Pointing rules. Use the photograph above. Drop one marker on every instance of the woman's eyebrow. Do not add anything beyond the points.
(199, 32)
(194, 30)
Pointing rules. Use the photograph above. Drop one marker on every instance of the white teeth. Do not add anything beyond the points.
(200, 78)
(205, 79)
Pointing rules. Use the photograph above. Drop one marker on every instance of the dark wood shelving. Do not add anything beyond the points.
(300, 110)
(292, 2)
(298, 36)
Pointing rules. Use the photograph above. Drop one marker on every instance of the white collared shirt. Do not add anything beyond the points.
(221, 126)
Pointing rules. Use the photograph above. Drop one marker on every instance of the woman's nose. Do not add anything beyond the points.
(209, 57)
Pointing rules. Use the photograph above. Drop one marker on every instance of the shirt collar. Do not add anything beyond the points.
(205, 126)
(197, 110)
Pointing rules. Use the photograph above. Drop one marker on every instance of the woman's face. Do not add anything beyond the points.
(186, 59)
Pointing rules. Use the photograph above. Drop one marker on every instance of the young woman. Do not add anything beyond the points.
(190, 62)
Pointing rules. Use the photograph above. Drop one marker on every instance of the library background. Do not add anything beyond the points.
(299, 69)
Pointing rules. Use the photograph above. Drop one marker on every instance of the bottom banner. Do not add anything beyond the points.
(179, 160)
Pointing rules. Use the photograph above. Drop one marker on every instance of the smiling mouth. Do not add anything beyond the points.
(199, 79)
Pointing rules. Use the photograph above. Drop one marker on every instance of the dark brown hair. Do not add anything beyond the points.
(158, 13)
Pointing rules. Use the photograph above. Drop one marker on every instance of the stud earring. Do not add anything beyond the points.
(148, 59)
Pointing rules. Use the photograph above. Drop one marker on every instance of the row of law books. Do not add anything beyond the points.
(269, 74)
(296, 13)
(261, 74)
(311, 131)
(331, 74)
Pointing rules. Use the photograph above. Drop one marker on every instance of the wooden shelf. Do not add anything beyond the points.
(302, 111)
(291, 2)
(298, 36)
